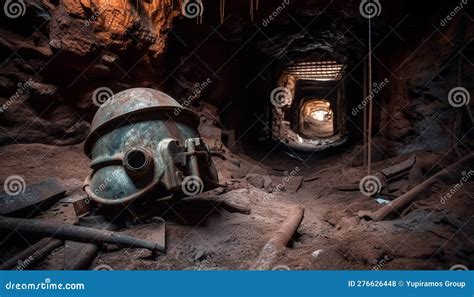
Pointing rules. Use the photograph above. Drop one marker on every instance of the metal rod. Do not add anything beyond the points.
(369, 133)
(365, 111)
(251, 10)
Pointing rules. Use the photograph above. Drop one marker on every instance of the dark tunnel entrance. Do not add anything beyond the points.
(309, 105)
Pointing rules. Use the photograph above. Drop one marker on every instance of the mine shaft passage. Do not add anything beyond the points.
(316, 119)
(309, 106)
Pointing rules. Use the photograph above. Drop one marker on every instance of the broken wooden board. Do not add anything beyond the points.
(386, 176)
(80, 202)
(79, 255)
(348, 188)
(36, 196)
(398, 168)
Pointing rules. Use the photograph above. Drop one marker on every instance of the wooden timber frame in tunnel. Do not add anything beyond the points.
(330, 91)
(303, 82)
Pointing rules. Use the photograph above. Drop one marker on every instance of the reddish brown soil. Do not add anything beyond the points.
(331, 235)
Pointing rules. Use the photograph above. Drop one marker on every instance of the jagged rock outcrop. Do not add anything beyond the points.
(56, 53)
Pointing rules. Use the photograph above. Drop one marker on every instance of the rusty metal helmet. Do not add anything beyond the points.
(142, 141)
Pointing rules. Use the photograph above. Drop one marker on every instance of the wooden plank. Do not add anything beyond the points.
(80, 202)
(395, 169)
(79, 255)
(38, 195)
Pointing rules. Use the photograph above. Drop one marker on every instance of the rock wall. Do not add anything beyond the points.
(56, 53)
(59, 52)
(431, 56)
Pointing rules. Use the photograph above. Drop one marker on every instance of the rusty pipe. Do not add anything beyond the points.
(280, 239)
(75, 233)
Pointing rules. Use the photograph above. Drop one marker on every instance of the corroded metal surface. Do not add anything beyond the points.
(140, 144)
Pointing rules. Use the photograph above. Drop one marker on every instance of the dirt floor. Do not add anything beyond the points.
(431, 234)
